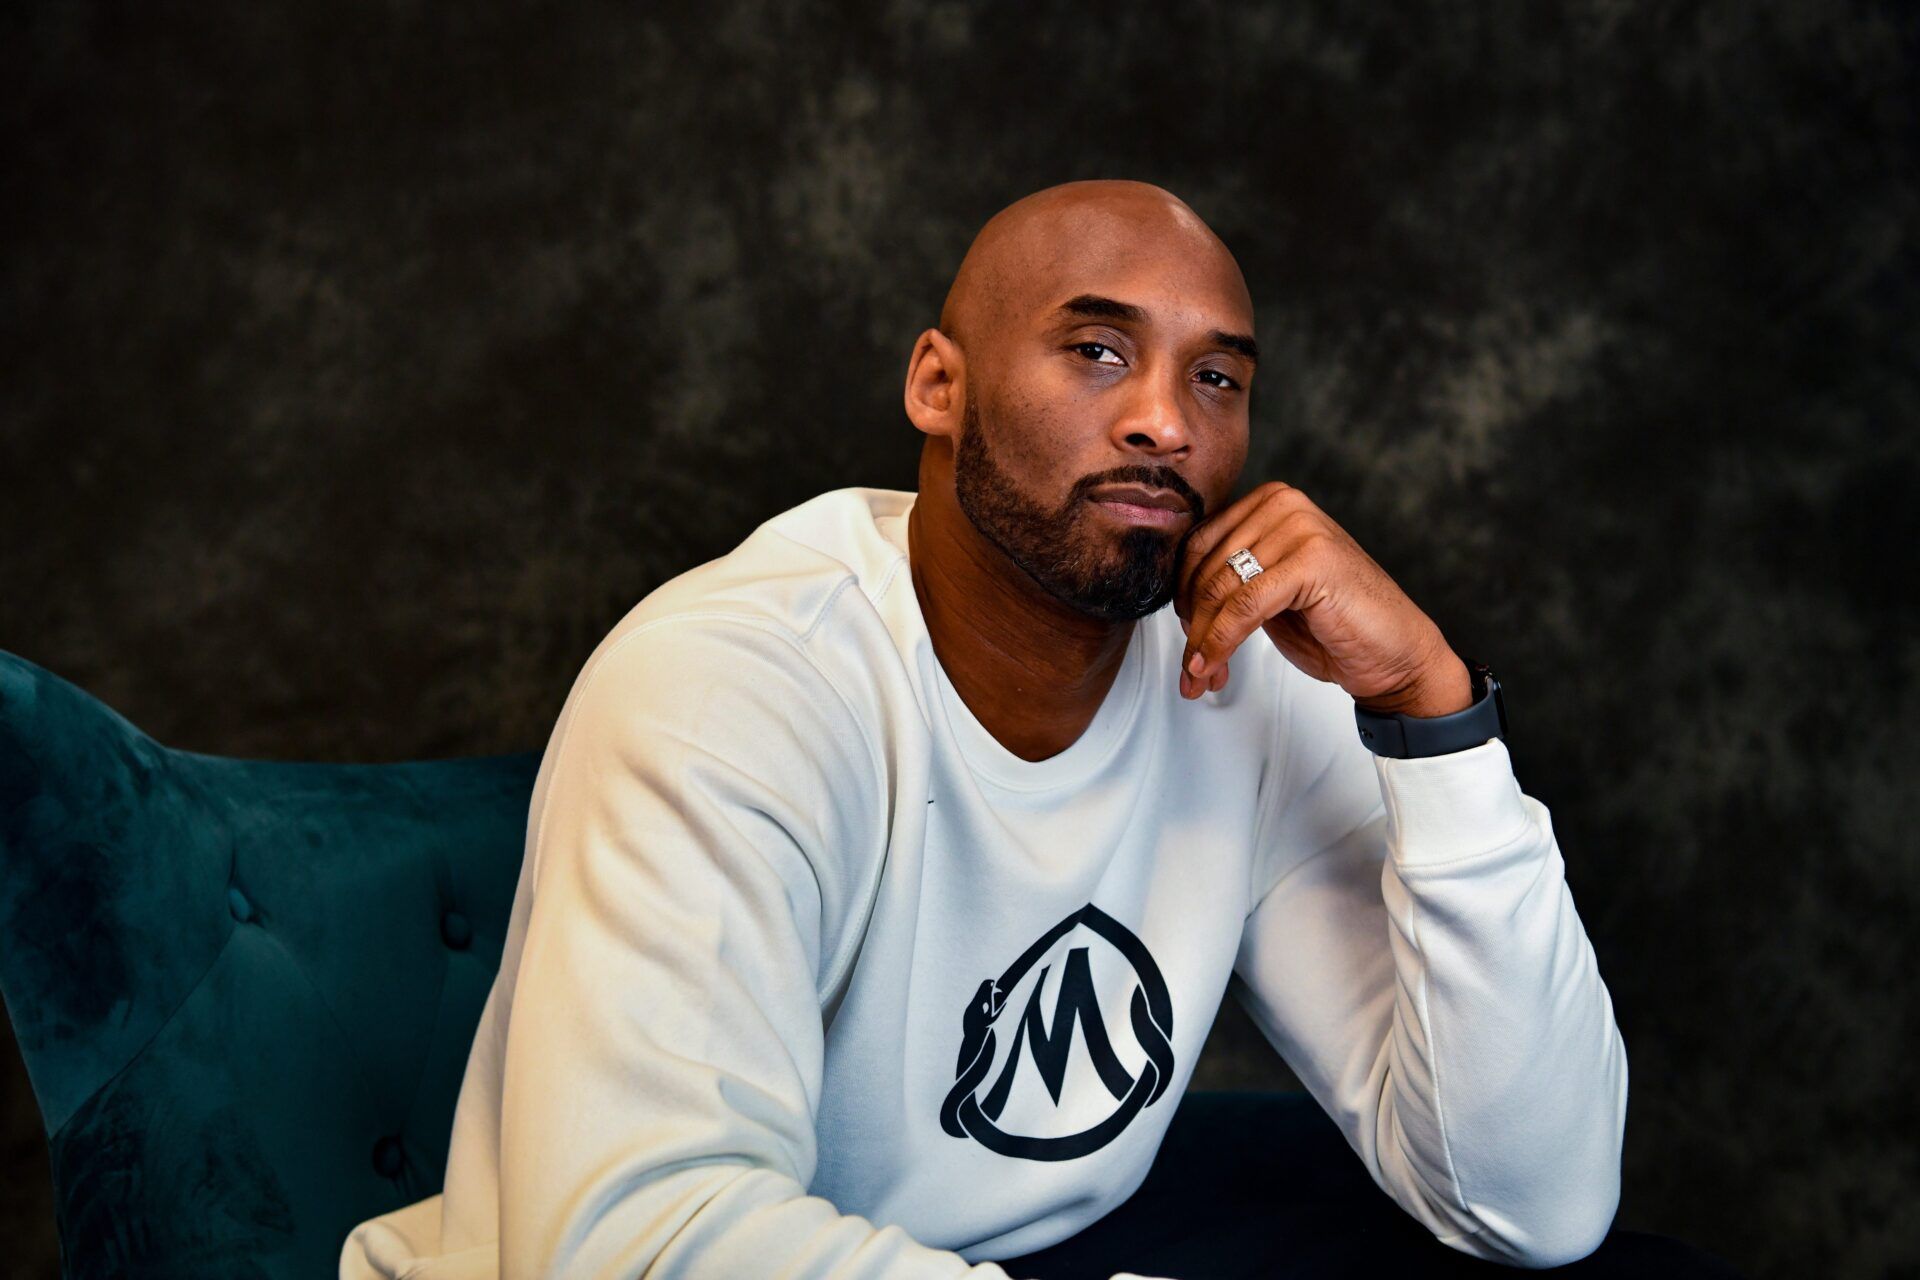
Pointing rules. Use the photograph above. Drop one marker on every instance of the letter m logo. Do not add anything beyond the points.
(1076, 1006)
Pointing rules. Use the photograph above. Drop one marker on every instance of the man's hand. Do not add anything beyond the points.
(1323, 602)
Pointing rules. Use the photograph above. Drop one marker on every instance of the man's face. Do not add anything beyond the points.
(1092, 402)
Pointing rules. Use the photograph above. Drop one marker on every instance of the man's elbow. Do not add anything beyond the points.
(1573, 1238)
(1551, 1234)
(1565, 1208)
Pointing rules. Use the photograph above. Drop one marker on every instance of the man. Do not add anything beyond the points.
(883, 876)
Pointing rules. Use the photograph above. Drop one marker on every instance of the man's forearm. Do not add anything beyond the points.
(1506, 1072)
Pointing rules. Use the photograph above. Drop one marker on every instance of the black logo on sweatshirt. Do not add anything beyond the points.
(964, 1114)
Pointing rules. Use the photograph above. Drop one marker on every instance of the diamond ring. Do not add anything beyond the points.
(1244, 564)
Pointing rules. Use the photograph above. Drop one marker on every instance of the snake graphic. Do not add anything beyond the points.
(1150, 1014)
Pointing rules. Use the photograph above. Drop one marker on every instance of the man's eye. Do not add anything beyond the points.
(1225, 380)
(1101, 346)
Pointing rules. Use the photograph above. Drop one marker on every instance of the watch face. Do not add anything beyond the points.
(1482, 679)
(1480, 674)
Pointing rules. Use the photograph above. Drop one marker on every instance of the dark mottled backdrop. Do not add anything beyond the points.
(365, 362)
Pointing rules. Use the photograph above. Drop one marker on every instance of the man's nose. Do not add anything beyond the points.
(1155, 419)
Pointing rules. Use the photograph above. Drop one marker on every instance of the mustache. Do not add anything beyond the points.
(1151, 476)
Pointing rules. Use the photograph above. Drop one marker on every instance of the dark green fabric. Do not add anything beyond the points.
(244, 990)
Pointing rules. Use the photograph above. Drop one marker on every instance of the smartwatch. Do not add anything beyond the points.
(1405, 737)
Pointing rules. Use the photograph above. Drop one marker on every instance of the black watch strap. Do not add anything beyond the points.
(1406, 737)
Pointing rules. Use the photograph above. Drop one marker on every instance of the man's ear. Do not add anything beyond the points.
(936, 384)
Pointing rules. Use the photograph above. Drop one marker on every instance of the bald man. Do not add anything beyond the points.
(884, 876)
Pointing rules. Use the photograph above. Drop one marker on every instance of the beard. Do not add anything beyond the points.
(1068, 550)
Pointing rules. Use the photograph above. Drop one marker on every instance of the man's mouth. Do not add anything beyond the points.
(1137, 504)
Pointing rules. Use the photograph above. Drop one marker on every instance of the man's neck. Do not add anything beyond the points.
(1032, 671)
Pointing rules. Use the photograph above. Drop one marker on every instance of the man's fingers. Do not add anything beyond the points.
(1271, 591)
(1226, 610)
(1209, 594)
(1209, 534)
(1242, 524)
(1219, 611)
(1202, 585)
(1192, 686)
(1215, 581)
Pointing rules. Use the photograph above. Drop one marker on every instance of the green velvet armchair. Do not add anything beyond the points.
(244, 990)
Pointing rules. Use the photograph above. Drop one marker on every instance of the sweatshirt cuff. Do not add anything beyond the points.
(1445, 807)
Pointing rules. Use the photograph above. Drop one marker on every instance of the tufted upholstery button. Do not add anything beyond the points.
(388, 1157)
(238, 904)
(455, 931)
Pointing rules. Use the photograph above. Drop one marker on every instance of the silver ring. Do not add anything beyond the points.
(1244, 564)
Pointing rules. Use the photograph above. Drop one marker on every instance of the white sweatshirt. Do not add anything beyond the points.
(807, 975)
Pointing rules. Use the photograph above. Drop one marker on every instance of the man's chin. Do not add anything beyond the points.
(1121, 612)
(1113, 601)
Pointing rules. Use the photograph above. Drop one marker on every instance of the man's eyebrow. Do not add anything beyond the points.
(1241, 342)
(1094, 307)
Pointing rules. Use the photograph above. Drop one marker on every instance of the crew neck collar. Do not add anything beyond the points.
(988, 758)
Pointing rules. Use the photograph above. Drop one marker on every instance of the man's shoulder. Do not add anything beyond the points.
(791, 604)
(789, 571)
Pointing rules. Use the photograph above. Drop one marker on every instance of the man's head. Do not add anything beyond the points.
(1097, 333)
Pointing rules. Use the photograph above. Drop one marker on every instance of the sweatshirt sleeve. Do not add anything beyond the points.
(708, 792)
(1418, 962)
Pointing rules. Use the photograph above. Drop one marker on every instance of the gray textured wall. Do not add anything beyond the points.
(363, 363)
